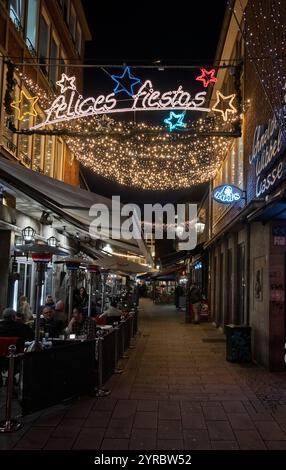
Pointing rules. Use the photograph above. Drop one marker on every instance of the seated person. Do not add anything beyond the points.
(60, 311)
(10, 327)
(49, 323)
(81, 325)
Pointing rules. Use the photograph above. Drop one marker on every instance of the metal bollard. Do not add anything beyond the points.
(117, 370)
(9, 425)
(124, 356)
(131, 342)
(100, 391)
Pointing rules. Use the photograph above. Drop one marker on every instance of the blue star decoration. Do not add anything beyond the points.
(125, 82)
(175, 121)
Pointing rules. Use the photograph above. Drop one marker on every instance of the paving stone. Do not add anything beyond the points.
(35, 438)
(249, 440)
(143, 439)
(147, 405)
(233, 407)
(270, 431)
(146, 420)
(224, 445)
(170, 444)
(169, 410)
(220, 431)
(98, 419)
(196, 439)
(69, 428)
(169, 429)
(192, 420)
(119, 428)
(115, 444)
(89, 438)
(240, 421)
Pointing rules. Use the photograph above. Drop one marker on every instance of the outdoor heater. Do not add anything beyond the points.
(42, 254)
(92, 269)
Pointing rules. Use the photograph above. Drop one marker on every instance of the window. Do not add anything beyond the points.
(16, 12)
(31, 30)
(53, 69)
(49, 156)
(58, 164)
(78, 39)
(44, 43)
(73, 23)
(37, 164)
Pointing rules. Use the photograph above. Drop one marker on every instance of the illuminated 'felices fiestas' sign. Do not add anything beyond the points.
(73, 105)
(227, 194)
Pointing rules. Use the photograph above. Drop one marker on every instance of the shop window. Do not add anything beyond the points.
(37, 164)
(58, 163)
(16, 10)
(44, 43)
(49, 156)
(31, 28)
(53, 69)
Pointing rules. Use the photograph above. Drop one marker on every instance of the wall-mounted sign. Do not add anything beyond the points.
(268, 147)
(73, 105)
(227, 194)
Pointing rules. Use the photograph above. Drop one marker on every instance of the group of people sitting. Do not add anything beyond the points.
(54, 320)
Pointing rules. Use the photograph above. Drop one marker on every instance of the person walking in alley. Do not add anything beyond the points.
(195, 302)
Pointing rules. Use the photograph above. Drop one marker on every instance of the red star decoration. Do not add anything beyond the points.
(207, 77)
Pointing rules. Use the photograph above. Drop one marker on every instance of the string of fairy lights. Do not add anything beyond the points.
(143, 155)
(265, 36)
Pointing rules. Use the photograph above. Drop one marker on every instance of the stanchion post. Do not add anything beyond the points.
(100, 391)
(117, 370)
(9, 425)
(124, 356)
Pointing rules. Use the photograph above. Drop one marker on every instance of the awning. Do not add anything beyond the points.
(71, 204)
(273, 209)
(180, 256)
(168, 274)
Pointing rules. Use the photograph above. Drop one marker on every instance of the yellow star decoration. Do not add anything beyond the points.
(18, 105)
(221, 98)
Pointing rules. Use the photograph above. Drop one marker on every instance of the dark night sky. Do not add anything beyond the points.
(183, 32)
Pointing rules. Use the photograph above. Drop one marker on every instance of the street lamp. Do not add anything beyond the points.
(28, 234)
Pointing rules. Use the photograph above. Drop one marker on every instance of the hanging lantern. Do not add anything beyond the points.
(28, 234)
(52, 241)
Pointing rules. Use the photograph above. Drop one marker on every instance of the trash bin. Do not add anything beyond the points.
(238, 343)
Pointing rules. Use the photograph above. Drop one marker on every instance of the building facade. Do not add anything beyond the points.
(38, 39)
(246, 242)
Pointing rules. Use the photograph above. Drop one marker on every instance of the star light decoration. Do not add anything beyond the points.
(19, 105)
(175, 121)
(207, 77)
(66, 83)
(129, 89)
(220, 98)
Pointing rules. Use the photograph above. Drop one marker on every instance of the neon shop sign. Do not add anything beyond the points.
(227, 194)
(73, 105)
(268, 145)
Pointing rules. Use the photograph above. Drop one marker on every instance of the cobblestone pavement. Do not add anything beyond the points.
(176, 392)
